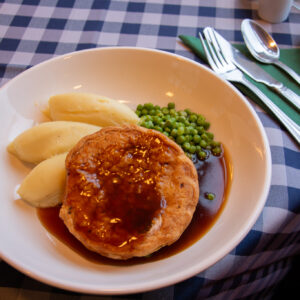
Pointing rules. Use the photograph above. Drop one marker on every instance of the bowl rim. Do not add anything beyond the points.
(193, 270)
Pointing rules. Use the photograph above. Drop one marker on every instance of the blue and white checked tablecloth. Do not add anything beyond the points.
(32, 31)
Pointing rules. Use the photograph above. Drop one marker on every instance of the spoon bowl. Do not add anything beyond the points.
(263, 47)
(260, 44)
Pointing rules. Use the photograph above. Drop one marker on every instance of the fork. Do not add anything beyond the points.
(223, 66)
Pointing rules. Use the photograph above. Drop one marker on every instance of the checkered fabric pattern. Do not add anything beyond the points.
(32, 31)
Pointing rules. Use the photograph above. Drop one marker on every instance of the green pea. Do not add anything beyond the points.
(171, 105)
(149, 124)
(194, 131)
(188, 111)
(158, 128)
(203, 143)
(201, 155)
(183, 113)
(174, 132)
(172, 112)
(193, 118)
(188, 137)
(200, 121)
(180, 139)
(139, 107)
(206, 125)
(204, 137)
(144, 111)
(149, 106)
(171, 124)
(192, 149)
(180, 131)
(157, 120)
(216, 151)
(210, 135)
(186, 146)
(159, 114)
(181, 119)
(209, 196)
(196, 138)
(200, 129)
(165, 111)
(168, 123)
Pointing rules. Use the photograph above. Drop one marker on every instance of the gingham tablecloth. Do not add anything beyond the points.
(32, 31)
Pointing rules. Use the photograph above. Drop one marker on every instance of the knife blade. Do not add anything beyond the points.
(253, 70)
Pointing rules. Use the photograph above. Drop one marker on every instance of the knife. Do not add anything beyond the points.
(253, 70)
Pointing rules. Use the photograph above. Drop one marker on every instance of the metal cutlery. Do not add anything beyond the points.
(223, 66)
(253, 70)
(263, 47)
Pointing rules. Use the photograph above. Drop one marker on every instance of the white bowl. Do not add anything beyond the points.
(136, 76)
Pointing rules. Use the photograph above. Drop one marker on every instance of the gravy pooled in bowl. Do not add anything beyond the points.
(129, 191)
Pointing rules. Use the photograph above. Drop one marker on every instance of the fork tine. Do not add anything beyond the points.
(211, 38)
(208, 54)
(228, 61)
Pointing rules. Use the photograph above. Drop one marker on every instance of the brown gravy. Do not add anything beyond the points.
(213, 178)
(127, 176)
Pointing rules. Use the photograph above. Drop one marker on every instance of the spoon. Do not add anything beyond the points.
(263, 47)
